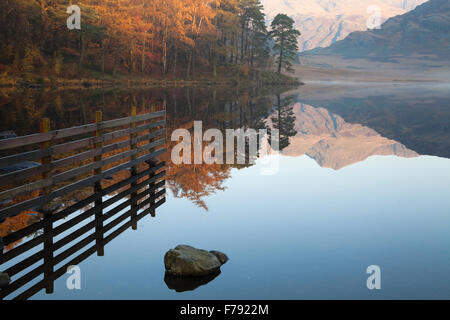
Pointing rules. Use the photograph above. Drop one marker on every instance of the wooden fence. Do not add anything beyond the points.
(137, 143)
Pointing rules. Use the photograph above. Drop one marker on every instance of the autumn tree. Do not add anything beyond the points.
(150, 37)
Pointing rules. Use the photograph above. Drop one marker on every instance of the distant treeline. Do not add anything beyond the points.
(178, 39)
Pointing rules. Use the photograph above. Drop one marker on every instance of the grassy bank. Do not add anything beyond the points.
(225, 77)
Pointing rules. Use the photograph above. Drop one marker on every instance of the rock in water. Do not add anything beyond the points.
(4, 280)
(188, 261)
(223, 258)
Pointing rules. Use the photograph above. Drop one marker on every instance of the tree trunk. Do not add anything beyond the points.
(175, 62)
(114, 65)
(280, 62)
(164, 59)
(143, 54)
(214, 62)
(165, 50)
(132, 65)
(242, 41)
(193, 63)
(103, 59)
(188, 99)
(232, 54)
(188, 69)
(175, 102)
(83, 49)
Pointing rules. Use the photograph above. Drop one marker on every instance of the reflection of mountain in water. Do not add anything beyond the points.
(418, 116)
(334, 143)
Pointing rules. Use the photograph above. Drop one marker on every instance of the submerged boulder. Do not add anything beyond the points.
(187, 261)
(4, 280)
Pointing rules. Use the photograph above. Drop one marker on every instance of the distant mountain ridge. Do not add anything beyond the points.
(323, 22)
(424, 30)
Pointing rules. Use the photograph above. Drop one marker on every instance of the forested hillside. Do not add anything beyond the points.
(160, 39)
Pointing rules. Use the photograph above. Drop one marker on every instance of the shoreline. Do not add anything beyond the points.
(266, 78)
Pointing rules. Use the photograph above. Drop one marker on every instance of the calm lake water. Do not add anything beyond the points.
(363, 180)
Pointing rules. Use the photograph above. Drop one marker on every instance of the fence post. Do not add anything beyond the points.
(134, 168)
(152, 162)
(98, 188)
(45, 127)
(48, 226)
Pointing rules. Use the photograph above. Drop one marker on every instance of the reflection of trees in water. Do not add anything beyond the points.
(284, 120)
(22, 220)
(221, 108)
(196, 182)
(21, 110)
(221, 111)
(13, 224)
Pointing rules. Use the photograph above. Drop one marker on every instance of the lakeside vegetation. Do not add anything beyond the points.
(156, 42)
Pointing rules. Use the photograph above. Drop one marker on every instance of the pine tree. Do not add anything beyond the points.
(285, 36)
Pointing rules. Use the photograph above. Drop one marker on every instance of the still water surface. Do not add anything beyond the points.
(363, 180)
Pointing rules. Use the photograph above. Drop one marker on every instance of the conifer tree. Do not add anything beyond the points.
(285, 37)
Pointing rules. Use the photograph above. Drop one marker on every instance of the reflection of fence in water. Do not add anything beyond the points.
(143, 190)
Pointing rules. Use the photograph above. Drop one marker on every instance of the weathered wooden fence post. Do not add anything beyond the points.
(48, 226)
(1, 247)
(134, 168)
(152, 161)
(45, 127)
(98, 187)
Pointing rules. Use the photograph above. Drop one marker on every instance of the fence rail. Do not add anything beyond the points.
(74, 131)
(62, 170)
(49, 165)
